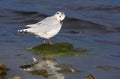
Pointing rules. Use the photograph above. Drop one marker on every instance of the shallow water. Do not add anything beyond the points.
(105, 12)
(91, 24)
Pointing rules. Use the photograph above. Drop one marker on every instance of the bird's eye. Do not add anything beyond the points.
(60, 16)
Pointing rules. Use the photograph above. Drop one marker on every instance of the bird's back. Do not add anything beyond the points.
(45, 25)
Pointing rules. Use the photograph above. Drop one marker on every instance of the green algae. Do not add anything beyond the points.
(58, 49)
(3, 70)
(90, 76)
(43, 73)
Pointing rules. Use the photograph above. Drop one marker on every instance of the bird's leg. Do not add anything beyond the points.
(49, 41)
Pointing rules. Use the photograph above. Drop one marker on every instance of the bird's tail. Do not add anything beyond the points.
(23, 31)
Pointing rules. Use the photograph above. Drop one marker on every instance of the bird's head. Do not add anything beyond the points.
(60, 15)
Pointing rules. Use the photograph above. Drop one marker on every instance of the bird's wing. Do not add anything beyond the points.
(45, 21)
(44, 28)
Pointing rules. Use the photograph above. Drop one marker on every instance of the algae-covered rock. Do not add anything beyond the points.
(57, 49)
(3, 70)
(16, 77)
(43, 73)
(90, 76)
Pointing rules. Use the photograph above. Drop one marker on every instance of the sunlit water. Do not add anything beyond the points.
(91, 24)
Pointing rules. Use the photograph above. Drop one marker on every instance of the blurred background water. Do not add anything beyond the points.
(104, 12)
(90, 24)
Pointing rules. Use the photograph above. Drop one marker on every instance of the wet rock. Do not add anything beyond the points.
(58, 49)
(90, 76)
(3, 70)
(16, 77)
(43, 73)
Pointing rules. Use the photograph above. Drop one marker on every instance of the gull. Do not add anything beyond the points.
(47, 28)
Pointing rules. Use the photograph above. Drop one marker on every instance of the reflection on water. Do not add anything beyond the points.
(48, 68)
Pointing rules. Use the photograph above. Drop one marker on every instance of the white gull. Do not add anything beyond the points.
(47, 28)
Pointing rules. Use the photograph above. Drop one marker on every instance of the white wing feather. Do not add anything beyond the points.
(45, 25)
(45, 21)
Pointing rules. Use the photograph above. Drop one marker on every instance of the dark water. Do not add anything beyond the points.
(105, 12)
(90, 24)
